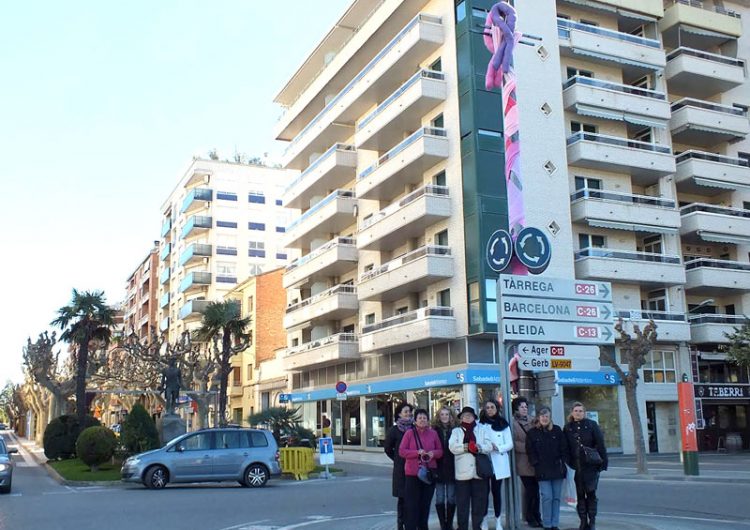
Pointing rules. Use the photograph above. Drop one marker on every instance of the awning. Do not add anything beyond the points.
(607, 114)
(617, 60)
(646, 122)
(714, 237)
(592, 5)
(636, 16)
(704, 32)
(631, 227)
(710, 183)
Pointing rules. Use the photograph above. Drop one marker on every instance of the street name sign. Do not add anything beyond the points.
(557, 351)
(544, 364)
(539, 287)
(552, 309)
(554, 331)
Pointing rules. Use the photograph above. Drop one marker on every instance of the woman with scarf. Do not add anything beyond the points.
(445, 486)
(502, 444)
(467, 440)
(404, 422)
(420, 448)
(521, 426)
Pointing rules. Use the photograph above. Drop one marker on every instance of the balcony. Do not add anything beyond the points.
(164, 300)
(325, 218)
(332, 170)
(333, 304)
(196, 225)
(630, 267)
(702, 74)
(322, 352)
(196, 199)
(684, 20)
(410, 273)
(164, 324)
(717, 277)
(166, 226)
(403, 165)
(622, 211)
(405, 219)
(626, 8)
(670, 327)
(425, 326)
(198, 176)
(704, 124)
(193, 310)
(402, 111)
(379, 78)
(645, 162)
(603, 99)
(195, 253)
(164, 276)
(710, 174)
(332, 259)
(711, 328)
(715, 224)
(608, 46)
(194, 281)
(166, 249)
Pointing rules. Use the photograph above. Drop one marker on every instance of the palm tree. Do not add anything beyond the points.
(87, 318)
(223, 324)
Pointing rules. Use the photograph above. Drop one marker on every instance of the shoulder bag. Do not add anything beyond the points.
(425, 473)
(589, 455)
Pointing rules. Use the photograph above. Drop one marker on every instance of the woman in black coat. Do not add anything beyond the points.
(404, 422)
(547, 449)
(582, 432)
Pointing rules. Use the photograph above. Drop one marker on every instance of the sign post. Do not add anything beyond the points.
(341, 397)
(688, 426)
(325, 450)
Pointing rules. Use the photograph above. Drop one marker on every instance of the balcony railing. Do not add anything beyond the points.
(196, 194)
(707, 105)
(166, 227)
(337, 289)
(710, 208)
(617, 141)
(411, 316)
(427, 250)
(617, 196)
(349, 86)
(716, 264)
(196, 249)
(700, 5)
(196, 221)
(425, 131)
(422, 74)
(165, 252)
(705, 55)
(429, 189)
(195, 278)
(317, 206)
(710, 157)
(349, 241)
(164, 276)
(592, 252)
(711, 318)
(164, 300)
(318, 161)
(615, 87)
(641, 314)
(327, 341)
(564, 26)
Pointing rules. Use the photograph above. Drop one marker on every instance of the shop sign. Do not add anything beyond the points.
(722, 391)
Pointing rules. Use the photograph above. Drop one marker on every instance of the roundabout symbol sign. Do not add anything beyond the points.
(533, 249)
(499, 250)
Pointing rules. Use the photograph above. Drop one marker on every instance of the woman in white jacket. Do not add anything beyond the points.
(466, 440)
(498, 430)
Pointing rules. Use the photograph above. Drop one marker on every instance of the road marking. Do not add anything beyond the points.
(252, 525)
(679, 517)
(328, 519)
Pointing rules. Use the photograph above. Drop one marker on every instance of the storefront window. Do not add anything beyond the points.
(350, 425)
(379, 416)
(601, 406)
(659, 367)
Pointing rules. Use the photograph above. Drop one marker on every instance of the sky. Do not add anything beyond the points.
(102, 107)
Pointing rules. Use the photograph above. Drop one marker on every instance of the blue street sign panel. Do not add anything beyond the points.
(325, 450)
(499, 250)
(533, 249)
(285, 398)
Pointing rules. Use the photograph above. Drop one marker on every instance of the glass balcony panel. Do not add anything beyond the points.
(333, 169)
(422, 327)
(713, 277)
(626, 266)
(705, 124)
(322, 352)
(702, 74)
(709, 174)
(331, 259)
(638, 213)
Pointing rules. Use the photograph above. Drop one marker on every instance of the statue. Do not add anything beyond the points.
(171, 382)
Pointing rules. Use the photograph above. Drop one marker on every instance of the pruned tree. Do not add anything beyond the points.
(45, 368)
(739, 345)
(634, 350)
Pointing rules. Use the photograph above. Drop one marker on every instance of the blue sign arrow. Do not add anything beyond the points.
(499, 250)
(533, 249)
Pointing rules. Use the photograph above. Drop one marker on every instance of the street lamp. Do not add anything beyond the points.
(704, 303)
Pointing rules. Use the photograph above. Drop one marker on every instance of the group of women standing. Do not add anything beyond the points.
(461, 461)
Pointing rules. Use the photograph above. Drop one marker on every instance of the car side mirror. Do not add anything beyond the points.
(12, 451)
(179, 448)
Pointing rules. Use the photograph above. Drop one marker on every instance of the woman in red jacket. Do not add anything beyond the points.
(420, 447)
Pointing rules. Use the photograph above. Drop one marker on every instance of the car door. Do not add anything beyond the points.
(193, 459)
(229, 455)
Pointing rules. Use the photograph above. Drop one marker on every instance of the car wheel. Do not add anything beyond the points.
(6, 489)
(256, 476)
(156, 478)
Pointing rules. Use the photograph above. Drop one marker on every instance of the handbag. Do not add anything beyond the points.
(484, 465)
(425, 473)
(591, 456)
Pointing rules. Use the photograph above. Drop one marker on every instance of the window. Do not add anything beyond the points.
(444, 298)
(582, 127)
(656, 301)
(437, 65)
(644, 135)
(226, 196)
(226, 251)
(258, 438)
(227, 439)
(438, 121)
(460, 11)
(591, 241)
(255, 269)
(369, 319)
(659, 367)
(226, 224)
(475, 311)
(226, 269)
(439, 179)
(653, 244)
(256, 226)
(280, 255)
(746, 205)
(745, 157)
(280, 229)
(256, 197)
(236, 376)
(441, 238)
(277, 202)
(643, 82)
(197, 442)
(572, 72)
(402, 310)
(589, 22)
(256, 249)
(249, 372)
(586, 183)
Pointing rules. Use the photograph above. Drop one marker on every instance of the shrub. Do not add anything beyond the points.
(95, 446)
(139, 431)
(61, 434)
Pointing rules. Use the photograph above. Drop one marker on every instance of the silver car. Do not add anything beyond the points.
(249, 456)
(6, 467)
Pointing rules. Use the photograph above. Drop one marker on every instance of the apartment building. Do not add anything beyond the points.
(251, 388)
(221, 224)
(633, 132)
(139, 307)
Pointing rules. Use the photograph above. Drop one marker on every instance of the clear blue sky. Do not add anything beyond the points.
(102, 106)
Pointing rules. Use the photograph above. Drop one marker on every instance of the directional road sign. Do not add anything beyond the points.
(499, 250)
(541, 287)
(542, 365)
(536, 331)
(551, 309)
(557, 351)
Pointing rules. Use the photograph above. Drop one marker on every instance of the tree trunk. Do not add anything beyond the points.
(635, 417)
(82, 362)
(224, 370)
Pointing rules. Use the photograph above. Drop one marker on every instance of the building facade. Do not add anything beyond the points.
(140, 303)
(634, 161)
(221, 224)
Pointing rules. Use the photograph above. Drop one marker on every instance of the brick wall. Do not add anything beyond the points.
(270, 304)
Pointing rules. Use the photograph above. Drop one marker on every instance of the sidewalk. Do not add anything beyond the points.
(31, 453)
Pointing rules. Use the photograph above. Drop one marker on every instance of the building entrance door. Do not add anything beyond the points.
(653, 441)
